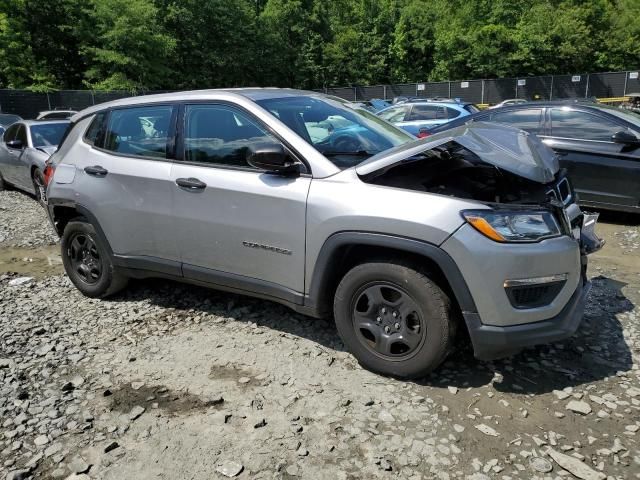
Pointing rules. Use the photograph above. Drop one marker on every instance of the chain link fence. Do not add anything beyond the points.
(612, 85)
(28, 104)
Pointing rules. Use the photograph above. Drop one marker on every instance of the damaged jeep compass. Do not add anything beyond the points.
(298, 198)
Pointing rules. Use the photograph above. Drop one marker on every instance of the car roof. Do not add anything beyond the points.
(254, 94)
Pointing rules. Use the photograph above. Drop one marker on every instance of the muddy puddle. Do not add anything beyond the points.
(124, 397)
(32, 262)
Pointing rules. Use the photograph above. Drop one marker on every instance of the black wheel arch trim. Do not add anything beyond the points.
(321, 273)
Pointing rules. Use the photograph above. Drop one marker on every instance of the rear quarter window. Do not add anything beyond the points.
(95, 133)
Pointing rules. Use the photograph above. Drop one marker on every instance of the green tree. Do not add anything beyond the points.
(130, 51)
(215, 42)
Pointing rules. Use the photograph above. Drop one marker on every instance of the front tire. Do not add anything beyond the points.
(87, 262)
(395, 320)
(38, 184)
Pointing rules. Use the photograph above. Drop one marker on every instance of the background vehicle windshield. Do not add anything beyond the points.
(346, 136)
(628, 115)
(48, 135)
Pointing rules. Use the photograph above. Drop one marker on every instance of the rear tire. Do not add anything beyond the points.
(88, 263)
(38, 184)
(393, 319)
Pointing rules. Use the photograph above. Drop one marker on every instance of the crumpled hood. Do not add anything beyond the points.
(48, 150)
(508, 148)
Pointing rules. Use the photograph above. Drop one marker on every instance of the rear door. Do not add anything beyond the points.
(602, 172)
(242, 225)
(123, 179)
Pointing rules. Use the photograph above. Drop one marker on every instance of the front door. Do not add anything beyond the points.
(238, 225)
(602, 172)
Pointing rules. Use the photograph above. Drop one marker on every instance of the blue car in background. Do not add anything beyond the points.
(418, 116)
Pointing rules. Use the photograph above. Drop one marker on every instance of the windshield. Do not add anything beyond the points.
(47, 135)
(346, 136)
(628, 115)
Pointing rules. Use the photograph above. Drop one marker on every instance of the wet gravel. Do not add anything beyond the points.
(173, 381)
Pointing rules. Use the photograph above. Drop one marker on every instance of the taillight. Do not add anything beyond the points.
(423, 133)
(48, 173)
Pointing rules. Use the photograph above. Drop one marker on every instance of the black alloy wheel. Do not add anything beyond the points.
(388, 321)
(85, 258)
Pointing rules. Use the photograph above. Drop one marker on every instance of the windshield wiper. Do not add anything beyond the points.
(359, 153)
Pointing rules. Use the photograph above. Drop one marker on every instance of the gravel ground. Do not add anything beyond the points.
(172, 381)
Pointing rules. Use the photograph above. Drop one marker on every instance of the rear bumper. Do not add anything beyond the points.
(491, 342)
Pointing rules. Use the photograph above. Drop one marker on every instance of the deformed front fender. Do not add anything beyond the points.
(329, 258)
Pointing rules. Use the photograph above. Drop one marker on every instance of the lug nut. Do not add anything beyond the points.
(397, 326)
(387, 329)
(395, 314)
(384, 310)
(378, 319)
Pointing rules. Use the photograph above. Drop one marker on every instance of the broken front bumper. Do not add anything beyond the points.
(491, 342)
(495, 341)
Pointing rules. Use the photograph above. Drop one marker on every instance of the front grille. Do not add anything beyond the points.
(532, 296)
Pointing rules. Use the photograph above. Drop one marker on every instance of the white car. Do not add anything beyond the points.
(56, 115)
(510, 101)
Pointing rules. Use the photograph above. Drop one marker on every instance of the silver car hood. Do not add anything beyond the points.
(505, 147)
(48, 150)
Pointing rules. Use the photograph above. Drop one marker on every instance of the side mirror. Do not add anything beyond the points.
(625, 138)
(271, 157)
(15, 144)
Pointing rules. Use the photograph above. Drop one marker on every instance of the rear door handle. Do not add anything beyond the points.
(191, 183)
(96, 171)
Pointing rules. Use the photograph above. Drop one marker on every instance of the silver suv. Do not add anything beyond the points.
(298, 198)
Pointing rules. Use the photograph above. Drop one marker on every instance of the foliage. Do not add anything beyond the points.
(184, 44)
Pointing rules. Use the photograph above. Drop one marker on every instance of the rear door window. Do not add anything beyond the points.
(526, 119)
(576, 124)
(428, 112)
(139, 131)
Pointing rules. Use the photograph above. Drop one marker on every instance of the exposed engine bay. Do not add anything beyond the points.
(453, 170)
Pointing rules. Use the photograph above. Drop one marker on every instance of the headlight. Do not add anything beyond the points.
(513, 226)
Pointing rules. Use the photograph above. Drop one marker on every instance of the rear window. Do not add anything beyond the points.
(471, 108)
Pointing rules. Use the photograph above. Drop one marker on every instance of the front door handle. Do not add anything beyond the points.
(191, 183)
(96, 171)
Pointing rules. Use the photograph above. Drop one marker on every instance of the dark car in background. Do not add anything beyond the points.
(599, 145)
